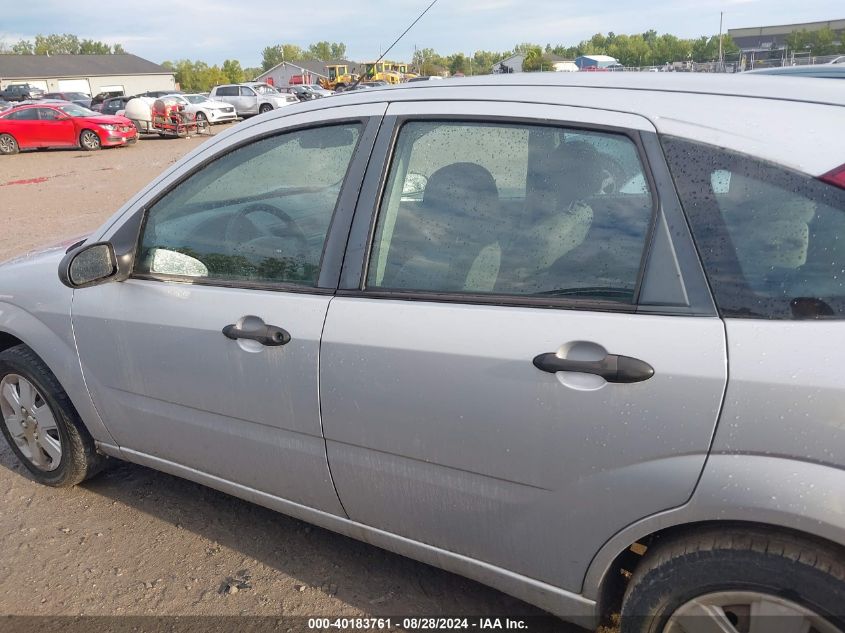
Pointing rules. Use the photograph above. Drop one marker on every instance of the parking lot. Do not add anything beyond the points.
(138, 542)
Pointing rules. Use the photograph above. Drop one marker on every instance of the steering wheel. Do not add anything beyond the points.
(239, 225)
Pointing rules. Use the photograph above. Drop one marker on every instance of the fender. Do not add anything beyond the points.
(762, 489)
(58, 351)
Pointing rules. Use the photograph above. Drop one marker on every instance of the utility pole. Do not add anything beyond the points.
(721, 59)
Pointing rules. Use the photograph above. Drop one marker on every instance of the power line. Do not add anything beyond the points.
(405, 32)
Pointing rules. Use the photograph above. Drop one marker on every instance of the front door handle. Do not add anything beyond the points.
(612, 368)
(269, 335)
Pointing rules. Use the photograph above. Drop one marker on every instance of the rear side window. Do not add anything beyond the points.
(227, 91)
(512, 209)
(30, 114)
(247, 92)
(772, 240)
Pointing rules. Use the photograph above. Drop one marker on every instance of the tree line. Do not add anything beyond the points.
(61, 44)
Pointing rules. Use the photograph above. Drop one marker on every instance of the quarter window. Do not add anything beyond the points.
(501, 209)
(772, 240)
(258, 214)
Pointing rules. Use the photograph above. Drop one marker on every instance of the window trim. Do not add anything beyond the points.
(357, 164)
(353, 278)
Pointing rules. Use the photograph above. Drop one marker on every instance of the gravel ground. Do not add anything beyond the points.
(137, 542)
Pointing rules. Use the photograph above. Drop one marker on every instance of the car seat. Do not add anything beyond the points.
(449, 242)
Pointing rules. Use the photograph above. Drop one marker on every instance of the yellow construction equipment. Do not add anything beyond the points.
(380, 71)
(339, 77)
(402, 69)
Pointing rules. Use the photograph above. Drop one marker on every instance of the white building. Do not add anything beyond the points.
(90, 74)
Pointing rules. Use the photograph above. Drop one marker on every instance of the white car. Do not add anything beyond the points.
(207, 109)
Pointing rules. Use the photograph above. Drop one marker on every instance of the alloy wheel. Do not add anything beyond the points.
(30, 422)
(746, 612)
(90, 140)
(8, 145)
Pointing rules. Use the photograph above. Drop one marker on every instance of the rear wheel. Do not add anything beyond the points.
(40, 424)
(8, 144)
(265, 107)
(89, 140)
(737, 580)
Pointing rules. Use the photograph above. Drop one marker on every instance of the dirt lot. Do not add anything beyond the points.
(138, 542)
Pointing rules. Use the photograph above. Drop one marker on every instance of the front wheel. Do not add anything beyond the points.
(8, 144)
(89, 140)
(40, 424)
(737, 580)
(265, 107)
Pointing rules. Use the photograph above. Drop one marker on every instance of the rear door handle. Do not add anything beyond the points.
(269, 335)
(613, 368)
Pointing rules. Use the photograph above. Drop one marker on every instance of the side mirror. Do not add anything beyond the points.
(99, 262)
(414, 186)
(88, 265)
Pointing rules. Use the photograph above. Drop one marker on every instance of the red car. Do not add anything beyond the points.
(62, 125)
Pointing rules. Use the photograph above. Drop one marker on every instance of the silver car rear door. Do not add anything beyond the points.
(445, 419)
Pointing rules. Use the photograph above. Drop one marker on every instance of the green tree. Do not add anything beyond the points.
(90, 47)
(64, 44)
(482, 61)
(327, 51)
(55, 44)
(233, 71)
(251, 73)
(23, 47)
(275, 55)
(824, 42)
(534, 60)
(458, 63)
(427, 61)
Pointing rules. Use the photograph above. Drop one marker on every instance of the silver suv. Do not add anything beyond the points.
(252, 98)
(574, 336)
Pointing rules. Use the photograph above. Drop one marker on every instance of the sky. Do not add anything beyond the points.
(214, 30)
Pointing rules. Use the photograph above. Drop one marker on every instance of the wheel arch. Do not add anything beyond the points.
(758, 495)
(615, 581)
(18, 327)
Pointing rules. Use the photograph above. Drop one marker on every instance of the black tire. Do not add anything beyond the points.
(202, 118)
(8, 145)
(802, 570)
(79, 458)
(264, 107)
(88, 140)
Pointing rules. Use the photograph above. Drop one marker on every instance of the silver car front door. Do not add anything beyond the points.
(207, 357)
(247, 101)
(524, 363)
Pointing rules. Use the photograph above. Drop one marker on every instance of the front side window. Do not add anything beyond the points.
(257, 214)
(48, 114)
(772, 240)
(512, 209)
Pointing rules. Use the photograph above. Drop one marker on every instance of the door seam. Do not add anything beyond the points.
(320, 406)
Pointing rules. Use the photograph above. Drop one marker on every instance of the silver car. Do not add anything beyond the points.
(575, 337)
(251, 98)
